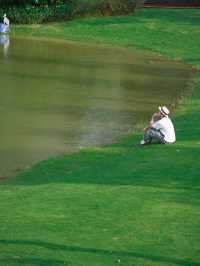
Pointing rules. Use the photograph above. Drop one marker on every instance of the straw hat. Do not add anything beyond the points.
(164, 110)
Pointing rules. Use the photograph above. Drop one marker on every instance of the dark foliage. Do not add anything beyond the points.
(39, 11)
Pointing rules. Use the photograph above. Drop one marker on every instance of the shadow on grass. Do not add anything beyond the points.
(190, 17)
(102, 252)
(106, 21)
(31, 261)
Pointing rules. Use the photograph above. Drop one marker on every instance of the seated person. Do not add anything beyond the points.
(160, 128)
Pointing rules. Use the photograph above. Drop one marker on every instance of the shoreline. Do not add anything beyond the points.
(119, 139)
(157, 55)
(102, 45)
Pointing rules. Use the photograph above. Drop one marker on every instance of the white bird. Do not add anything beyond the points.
(4, 27)
(6, 20)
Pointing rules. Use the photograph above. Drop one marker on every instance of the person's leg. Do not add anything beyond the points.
(153, 134)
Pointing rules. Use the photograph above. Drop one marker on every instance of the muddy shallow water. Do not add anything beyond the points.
(56, 97)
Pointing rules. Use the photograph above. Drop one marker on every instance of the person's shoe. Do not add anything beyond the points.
(142, 142)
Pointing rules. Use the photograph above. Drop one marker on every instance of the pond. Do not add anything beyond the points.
(56, 97)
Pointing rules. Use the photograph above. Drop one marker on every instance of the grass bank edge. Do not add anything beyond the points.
(188, 106)
(185, 120)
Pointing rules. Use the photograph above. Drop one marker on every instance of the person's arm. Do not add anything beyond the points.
(157, 125)
(155, 117)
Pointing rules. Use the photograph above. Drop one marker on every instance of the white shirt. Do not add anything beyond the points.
(166, 128)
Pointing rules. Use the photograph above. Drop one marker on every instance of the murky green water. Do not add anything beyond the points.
(56, 97)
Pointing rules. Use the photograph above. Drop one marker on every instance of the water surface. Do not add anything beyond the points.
(56, 97)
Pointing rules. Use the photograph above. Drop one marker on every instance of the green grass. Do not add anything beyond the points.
(114, 205)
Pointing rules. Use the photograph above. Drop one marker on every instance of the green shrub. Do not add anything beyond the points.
(33, 14)
(51, 10)
(82, 7)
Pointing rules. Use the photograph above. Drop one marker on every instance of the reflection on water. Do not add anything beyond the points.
(56, 97)
(5, 42)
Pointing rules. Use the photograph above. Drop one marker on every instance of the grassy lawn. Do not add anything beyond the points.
(114, 205)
